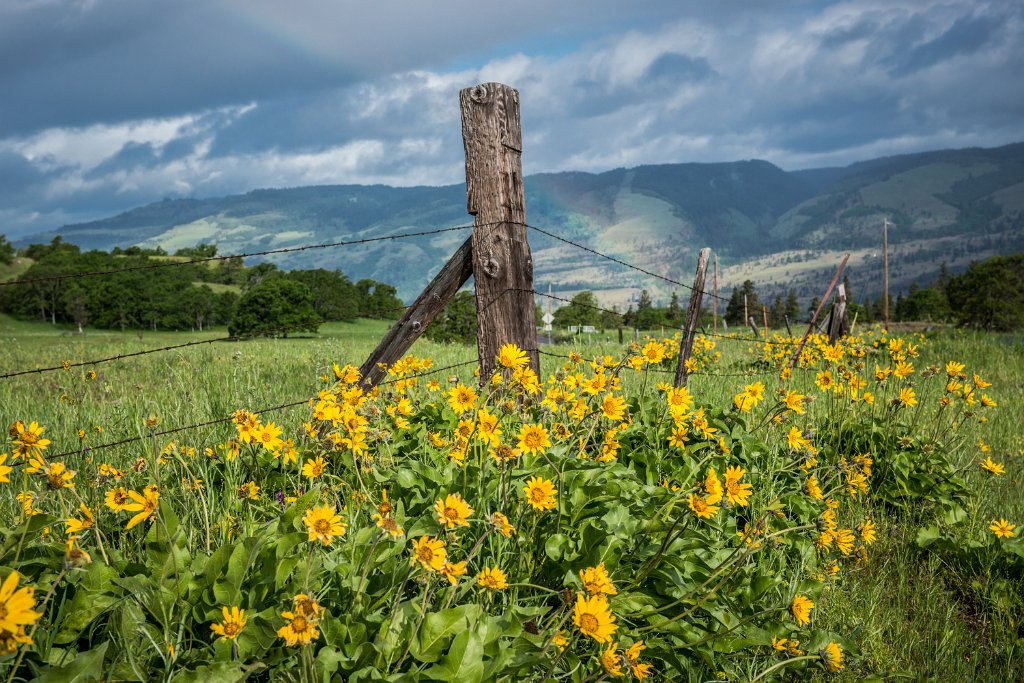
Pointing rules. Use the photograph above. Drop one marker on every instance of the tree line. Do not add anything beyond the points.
(249, 300)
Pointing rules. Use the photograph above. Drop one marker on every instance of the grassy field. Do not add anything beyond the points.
(936, 597)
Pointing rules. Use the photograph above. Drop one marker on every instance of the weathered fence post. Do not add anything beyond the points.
(753, 327)
(502, 265)
(839, 322)
(817, 312)
(692, 316)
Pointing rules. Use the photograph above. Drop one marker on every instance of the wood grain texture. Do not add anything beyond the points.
(692, 316)
(839, 320)
(417, 317)
(502, 263)
(817, 312)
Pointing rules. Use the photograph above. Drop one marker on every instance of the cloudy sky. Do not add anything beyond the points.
(110, 104)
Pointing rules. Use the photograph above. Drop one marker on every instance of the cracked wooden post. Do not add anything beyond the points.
(502, 265)
(692, 316)
(839, 321)
(817, 312)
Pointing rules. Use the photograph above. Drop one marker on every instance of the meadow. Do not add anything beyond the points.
(857, 520)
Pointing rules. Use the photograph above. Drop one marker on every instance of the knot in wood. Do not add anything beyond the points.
(491, 267)
(416, 325)
(479, 94)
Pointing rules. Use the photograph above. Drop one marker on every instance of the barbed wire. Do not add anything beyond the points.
(222, 420)
(207, 259)
(237, 337)
(620, 262)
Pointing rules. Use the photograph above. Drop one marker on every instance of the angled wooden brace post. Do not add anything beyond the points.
(497, 253)
(692, 316)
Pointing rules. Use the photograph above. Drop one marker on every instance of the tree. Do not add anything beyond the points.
(792, 306)
(990, 295)
(735, 308)
(456, 323)
(647, 316)
(777, 313)
(275, 307)
(6, 250)
(334, 296)
(674, 314)
(582, 310)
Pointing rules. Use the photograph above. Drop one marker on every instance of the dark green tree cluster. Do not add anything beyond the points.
(181, 297)
(456, 323)
(990, 294)
(6, 250)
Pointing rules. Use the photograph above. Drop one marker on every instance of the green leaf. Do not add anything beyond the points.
(219, 672)
(87, 667)
(464, 662)
(439, 628)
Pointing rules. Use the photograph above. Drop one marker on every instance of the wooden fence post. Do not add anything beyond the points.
(753, 327)
(502, 265)
(839, 322)
(692, 316)
(817, 312)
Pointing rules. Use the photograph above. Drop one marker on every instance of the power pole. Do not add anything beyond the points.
(885, 268)
(714, 324)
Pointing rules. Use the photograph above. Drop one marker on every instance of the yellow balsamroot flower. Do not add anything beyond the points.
(541, 494)
(300, 630)
(640, 671)
(653, 352)
(995, 468)
(749, 397)
(16, 605)
(145, 505)
(560, 640)
(4, 469)
(593, 617)
(1002, 528)
(813, 489)
(795, 402)
(596, 581)
(867, 532)
(452, 511)
(249, 490)
(268, 436)
(314, 468)
(77, 526)
(29, 440)
(429, 553)
(488, 430)
(58, 476)
(679, 400)
(323, 524)
(907, 397)
(713, 487)
(492, 578)
(500, 522)
(612, 662)
(801, 609)
(679, 436)
(613, 407)
(904, 370)
(511, 356)
(702, 507)
(738, 493)
(388, 525)
(116, 498)
(953, 369)
(453, 570)
(824, 380)
(988, 402)
(231, 625)
(844, 539)
(796, 440)
(461, 398)
(74, 555)
(533, 439)
(832, 656)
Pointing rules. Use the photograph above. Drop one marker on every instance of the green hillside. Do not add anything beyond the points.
(783, 228)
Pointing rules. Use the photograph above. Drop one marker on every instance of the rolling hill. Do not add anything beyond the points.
(781, 229)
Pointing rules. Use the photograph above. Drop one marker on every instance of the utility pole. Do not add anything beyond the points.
(714, 325)
(885, 268)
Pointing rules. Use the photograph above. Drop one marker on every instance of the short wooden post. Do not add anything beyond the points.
(753, 327)
(764, 313)
(839, 322)
(817, 312)
(692, 316)
(502, 265)
(789, 332)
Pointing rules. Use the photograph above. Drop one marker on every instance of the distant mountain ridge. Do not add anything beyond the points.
(779, 228)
